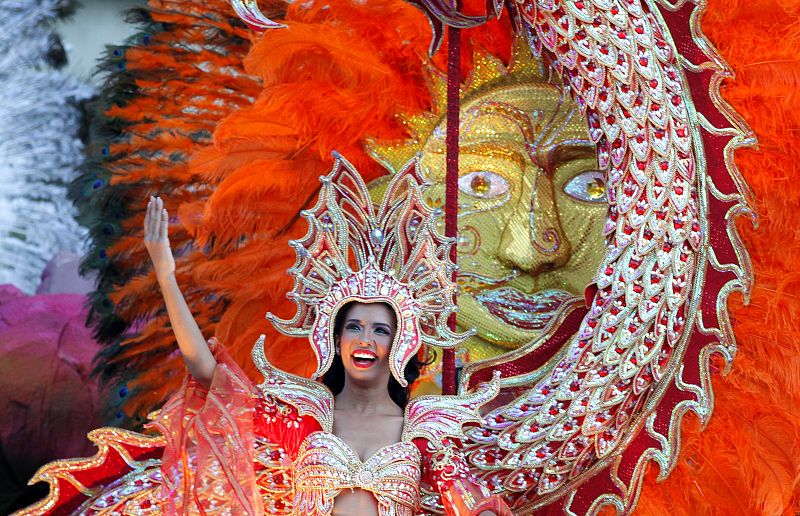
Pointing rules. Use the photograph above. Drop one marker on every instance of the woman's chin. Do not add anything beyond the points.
(365, 375)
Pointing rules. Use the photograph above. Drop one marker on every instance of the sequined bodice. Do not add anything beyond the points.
(326, 465)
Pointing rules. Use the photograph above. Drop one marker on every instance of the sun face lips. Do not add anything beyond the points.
(364, 358)
(529, 312)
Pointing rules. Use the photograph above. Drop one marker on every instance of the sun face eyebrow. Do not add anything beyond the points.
(561, 152)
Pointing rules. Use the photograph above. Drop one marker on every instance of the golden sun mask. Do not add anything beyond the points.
(532, 203)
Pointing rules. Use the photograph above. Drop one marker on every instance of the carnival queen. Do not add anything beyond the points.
(372, 287)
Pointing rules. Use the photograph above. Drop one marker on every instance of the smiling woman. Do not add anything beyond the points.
(363, 334)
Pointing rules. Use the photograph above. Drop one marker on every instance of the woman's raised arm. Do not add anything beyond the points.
(193, 346)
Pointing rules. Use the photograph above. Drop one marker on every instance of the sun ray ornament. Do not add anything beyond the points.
(354, 251)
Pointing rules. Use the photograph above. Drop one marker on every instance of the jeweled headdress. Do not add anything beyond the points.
(354, 253)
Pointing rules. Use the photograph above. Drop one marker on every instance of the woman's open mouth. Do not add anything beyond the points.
(364, 358)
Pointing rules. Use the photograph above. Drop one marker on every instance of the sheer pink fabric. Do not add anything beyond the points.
(208, 460)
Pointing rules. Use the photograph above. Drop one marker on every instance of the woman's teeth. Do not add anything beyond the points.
(364, 358)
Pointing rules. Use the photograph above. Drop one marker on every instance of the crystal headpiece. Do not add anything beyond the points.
(353, 253)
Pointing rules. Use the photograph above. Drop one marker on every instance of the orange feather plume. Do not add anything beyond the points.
(747, 459)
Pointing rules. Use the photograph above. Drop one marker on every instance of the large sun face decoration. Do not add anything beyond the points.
(532, 202)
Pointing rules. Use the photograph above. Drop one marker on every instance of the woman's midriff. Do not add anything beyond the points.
(355, 502)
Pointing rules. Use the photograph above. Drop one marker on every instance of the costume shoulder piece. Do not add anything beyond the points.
(309, 397)
(438, 417)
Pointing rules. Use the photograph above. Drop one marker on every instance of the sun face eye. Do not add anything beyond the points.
(589, 186)
(483, 184)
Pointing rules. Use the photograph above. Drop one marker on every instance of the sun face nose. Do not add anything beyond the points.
(533, 240)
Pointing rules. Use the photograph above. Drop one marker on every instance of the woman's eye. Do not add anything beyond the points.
(483, 184)
(589, 186)
(381, 331)
(352, 327)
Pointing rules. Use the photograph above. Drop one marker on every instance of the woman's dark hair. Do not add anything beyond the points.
(334, 377)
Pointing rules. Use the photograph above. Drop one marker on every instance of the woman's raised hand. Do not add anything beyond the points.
(193, 346)
(156, 238)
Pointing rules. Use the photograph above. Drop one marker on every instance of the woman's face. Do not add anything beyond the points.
(365, 342)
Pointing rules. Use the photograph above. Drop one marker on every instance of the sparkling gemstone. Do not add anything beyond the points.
(596, 189)
(480, 184)
(365, 477)
(376, 236)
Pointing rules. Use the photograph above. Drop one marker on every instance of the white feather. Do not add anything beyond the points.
(39, 145)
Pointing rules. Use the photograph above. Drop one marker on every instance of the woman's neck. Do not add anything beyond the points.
(366, 399)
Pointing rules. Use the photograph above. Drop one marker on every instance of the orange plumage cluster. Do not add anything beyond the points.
(165, 92)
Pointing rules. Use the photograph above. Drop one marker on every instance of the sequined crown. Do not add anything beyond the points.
(354, 253)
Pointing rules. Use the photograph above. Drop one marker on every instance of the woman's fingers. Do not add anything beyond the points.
(150, 217)
(156, 220)
(147, 220)
(164, 226)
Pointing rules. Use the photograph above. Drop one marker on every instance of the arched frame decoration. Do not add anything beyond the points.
(613, 396)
